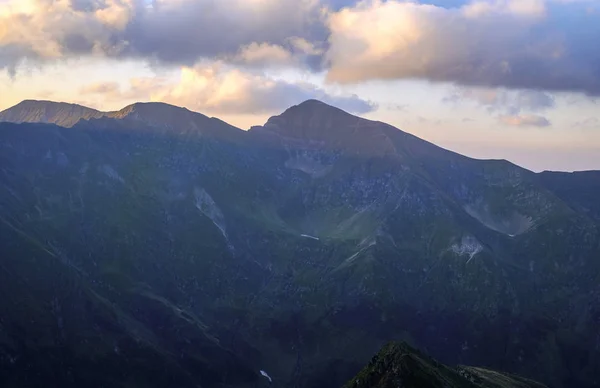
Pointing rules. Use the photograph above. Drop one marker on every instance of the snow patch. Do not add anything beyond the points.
(309, 236)
(209, 208)
(468, 246)
(266, 375)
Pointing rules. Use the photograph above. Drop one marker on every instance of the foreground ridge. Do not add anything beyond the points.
(400, 365)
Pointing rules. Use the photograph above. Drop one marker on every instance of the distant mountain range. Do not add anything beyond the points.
(155, 246)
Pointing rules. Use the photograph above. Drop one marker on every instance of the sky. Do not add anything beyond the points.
(491, 79)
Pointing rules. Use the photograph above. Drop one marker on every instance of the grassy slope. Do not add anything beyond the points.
(305, 305)
(400, 365)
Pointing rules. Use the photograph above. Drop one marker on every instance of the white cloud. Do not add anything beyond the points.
(218, 88)
(588, 123)
(304, 46)
(108, 88)
(173, 31)
(526, 44)
(522, 44)
(525, 121)
(264, 54)
(502, 100)
(533, 8)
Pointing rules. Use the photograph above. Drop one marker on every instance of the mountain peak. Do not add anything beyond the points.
(314, 108)
(140, 115)
(159, 111)
(60, 113)
(314, 103)
(29, 103)
(316, 124)
(163, 117)
(399, 364)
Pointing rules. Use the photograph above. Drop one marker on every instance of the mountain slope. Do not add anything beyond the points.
(59, 113)
(580, 190)
(305, 245)
(61, 327)
(148, 116)
(399, 365)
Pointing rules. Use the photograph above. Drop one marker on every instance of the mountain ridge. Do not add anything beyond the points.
(68, 114)
(44, 111)
(379, 143)
(399, 364)
(301, 258)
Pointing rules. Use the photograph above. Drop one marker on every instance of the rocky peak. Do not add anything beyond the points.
(158, 114)
(59, 113)
(315, 124)
(178, 120)
(400, 365)
(141, 115)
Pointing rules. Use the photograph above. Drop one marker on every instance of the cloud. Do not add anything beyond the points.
(526, 44)
(479, 8)
(218, 88)
(294, 52)
(109, 88)
(221, 89)
(511, 107)
(221, 27)
(525, 121)
(165, 31)
(588, 123)
(505, 101)
(304, 46)
(396, 107)
(53, 29)
(263, 54)
(424, 120)
(534, 100)
(515, 44)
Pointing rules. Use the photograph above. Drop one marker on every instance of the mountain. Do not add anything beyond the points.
(298, 248)
(400, 365)
(61, 326)
(59, 113)
(155, 115)
(578, 189)
(316, 125)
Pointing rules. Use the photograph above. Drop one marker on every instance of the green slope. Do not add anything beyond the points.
(202, 224)
(400, 365)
